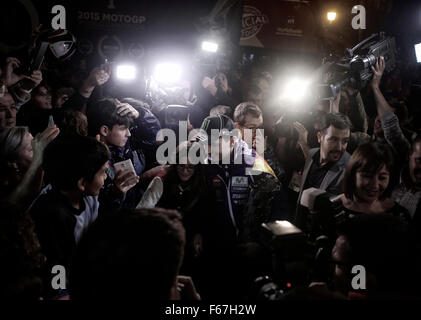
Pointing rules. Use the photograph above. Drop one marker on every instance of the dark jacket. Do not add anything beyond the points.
(331, 183)
(241, 200)
(59, 225)
(140, 149)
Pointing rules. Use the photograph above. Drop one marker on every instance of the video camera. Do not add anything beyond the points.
(299, 258)
(296, 260)
(354, 70)
(292, 254)
(325, 211)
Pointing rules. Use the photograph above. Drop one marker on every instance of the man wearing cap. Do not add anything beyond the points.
(243, 189)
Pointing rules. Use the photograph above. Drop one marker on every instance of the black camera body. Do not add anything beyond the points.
(325, 212)
(299, 258)
(292, 253)
(368, 53)
(355, 69)
(296, 260)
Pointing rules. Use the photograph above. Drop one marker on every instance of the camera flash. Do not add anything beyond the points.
(331, 16)
(126, 72)
(418, 52)
(209, 46)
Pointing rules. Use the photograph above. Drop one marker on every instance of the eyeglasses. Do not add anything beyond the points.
(186, 166)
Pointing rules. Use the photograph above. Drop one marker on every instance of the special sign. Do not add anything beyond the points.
(252, 22)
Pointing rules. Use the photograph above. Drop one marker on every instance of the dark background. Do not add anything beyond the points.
(176, 27)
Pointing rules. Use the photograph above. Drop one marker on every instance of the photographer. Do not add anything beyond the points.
(212, 92)
(325, 166)
(219, 88)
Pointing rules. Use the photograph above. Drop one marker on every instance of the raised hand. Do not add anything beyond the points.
(8, 75)
(125, 109)
(302, 132)
(209, 84)
(124, 181)
(32, 81)
(378, 71)
(97, 77)
(41, 140)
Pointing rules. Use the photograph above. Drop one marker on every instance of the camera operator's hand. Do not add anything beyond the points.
(302, 137)
(8, 76)
(334, 104)
(124, 181)
(125, 109)
(31, 82)
(378, 72)
(187, 289)
(302, 132)
(40, 142)
(328, 77)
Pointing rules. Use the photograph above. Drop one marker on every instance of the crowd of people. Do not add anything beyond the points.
(188, 230)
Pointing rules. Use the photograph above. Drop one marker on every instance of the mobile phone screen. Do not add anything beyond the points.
(50, 121)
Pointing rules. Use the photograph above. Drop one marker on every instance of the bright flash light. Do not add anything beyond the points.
(295, 90)
(331, 16)
(418, 52)
(126, 72)
(167, 73)
(209, 46)
(284, 223)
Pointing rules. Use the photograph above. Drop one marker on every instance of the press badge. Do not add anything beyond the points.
(241, 182)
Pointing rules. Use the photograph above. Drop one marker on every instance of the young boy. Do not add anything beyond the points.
(75, 166)
(128, 133)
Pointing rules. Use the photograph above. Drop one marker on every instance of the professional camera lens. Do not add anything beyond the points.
(359, 63)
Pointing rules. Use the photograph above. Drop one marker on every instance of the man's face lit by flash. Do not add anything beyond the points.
(333, 144)
(250, 124)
